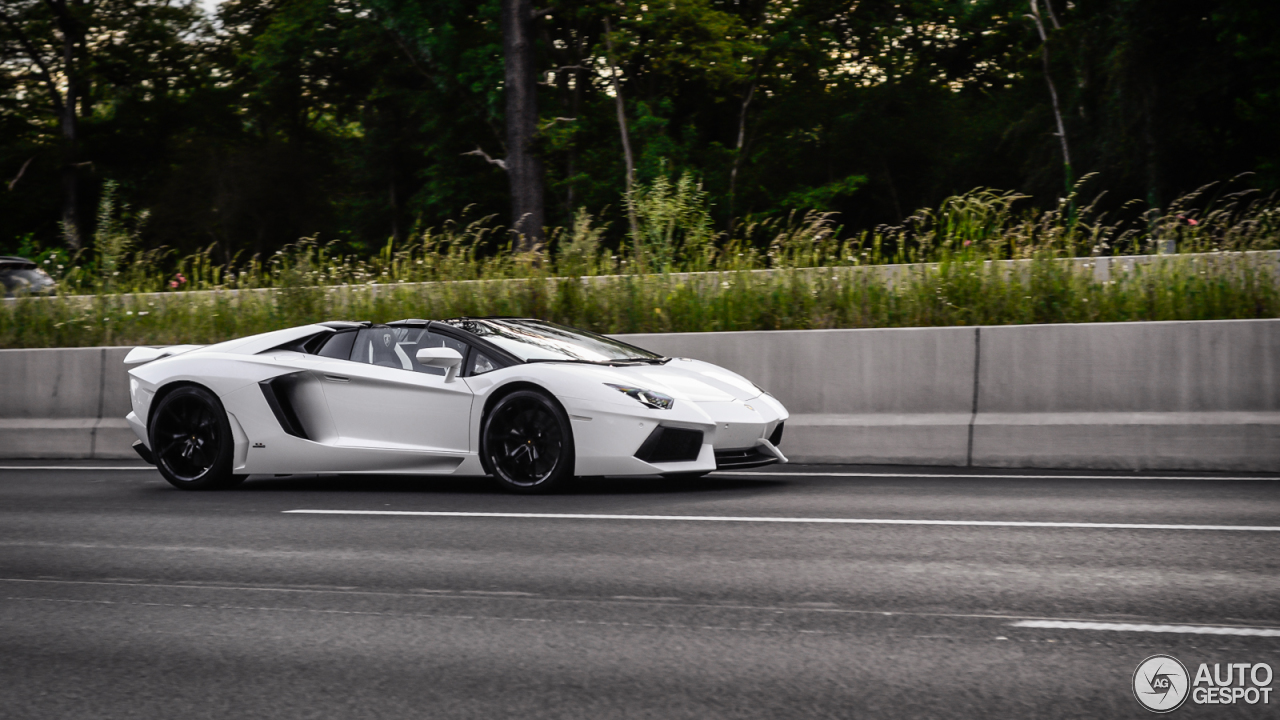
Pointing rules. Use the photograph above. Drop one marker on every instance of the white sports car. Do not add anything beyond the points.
(529, 402)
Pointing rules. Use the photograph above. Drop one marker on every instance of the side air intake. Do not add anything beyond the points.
(277, 392)
(667, 444)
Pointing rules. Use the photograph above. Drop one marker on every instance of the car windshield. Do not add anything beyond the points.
(535, 340)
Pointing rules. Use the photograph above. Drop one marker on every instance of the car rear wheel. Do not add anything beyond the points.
(527, 443)
(191, 440)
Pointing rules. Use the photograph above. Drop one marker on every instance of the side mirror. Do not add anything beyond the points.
(441, 357)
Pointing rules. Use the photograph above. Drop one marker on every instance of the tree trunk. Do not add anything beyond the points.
(72, 33)
(524, 169)
(1067, 174)
(397, 234)
(737, 154)
(575, 105)
(622, 128)
(572, 170)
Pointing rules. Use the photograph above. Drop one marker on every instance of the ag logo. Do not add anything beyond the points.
(1160, 683)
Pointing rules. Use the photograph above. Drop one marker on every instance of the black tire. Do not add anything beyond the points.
(526, 443)
(191, 440)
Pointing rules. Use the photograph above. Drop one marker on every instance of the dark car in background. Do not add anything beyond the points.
(21, 276)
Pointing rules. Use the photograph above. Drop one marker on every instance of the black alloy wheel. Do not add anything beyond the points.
(191, 440)
(527, 444)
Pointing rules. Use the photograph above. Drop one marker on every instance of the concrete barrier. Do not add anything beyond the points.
(868, 396)
(1163, 395)
(1199, 395)
(64, 403)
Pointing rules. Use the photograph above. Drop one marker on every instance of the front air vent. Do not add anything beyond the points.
(744, 458)
(775, 438)
(666, 444)
(277, 393)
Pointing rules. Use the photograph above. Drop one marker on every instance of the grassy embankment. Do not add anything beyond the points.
(115, 295)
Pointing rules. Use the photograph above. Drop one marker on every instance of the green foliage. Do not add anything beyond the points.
(113, 239)
(301, 158)
(351, 120)
(953, 292)
(979, 260)
(580, 251)
(673, 226)
(823, 197)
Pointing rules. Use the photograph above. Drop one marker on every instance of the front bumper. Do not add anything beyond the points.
(763, 453)
(139, 428)
(657, 442)
(144, 452)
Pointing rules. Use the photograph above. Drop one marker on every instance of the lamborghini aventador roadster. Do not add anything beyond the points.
(529, 402)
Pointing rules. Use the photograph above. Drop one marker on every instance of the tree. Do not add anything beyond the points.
(51, 35)
(1039, 22)
(431, 34)
(359, 120)
(68, 64)
(524, 167)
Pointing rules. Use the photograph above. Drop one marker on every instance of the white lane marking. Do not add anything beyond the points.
(829, 521)
(134, 468)
(1142, 627)
(730, 473)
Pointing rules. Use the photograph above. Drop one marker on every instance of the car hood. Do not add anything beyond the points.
(681, 378)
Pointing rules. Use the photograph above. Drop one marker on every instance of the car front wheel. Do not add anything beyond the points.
(527, 444)
(191, 440)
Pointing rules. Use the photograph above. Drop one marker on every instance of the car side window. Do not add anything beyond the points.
(338, 346)
(397, 347)
(480, 364)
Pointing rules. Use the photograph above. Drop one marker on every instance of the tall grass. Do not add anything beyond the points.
(819, 278)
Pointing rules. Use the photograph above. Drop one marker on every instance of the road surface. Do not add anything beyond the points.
(804, 592)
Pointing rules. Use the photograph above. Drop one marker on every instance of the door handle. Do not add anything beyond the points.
(336, 378)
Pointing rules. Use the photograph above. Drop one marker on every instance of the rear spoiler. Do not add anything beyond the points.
(140, 355)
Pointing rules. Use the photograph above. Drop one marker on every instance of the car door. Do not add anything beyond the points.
(382, 398)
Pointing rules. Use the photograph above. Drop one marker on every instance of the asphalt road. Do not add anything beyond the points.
(121, 597)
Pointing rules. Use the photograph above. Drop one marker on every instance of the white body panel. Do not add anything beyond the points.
(355, 417)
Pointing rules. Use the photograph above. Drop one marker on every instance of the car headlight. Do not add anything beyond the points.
(648, 398)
